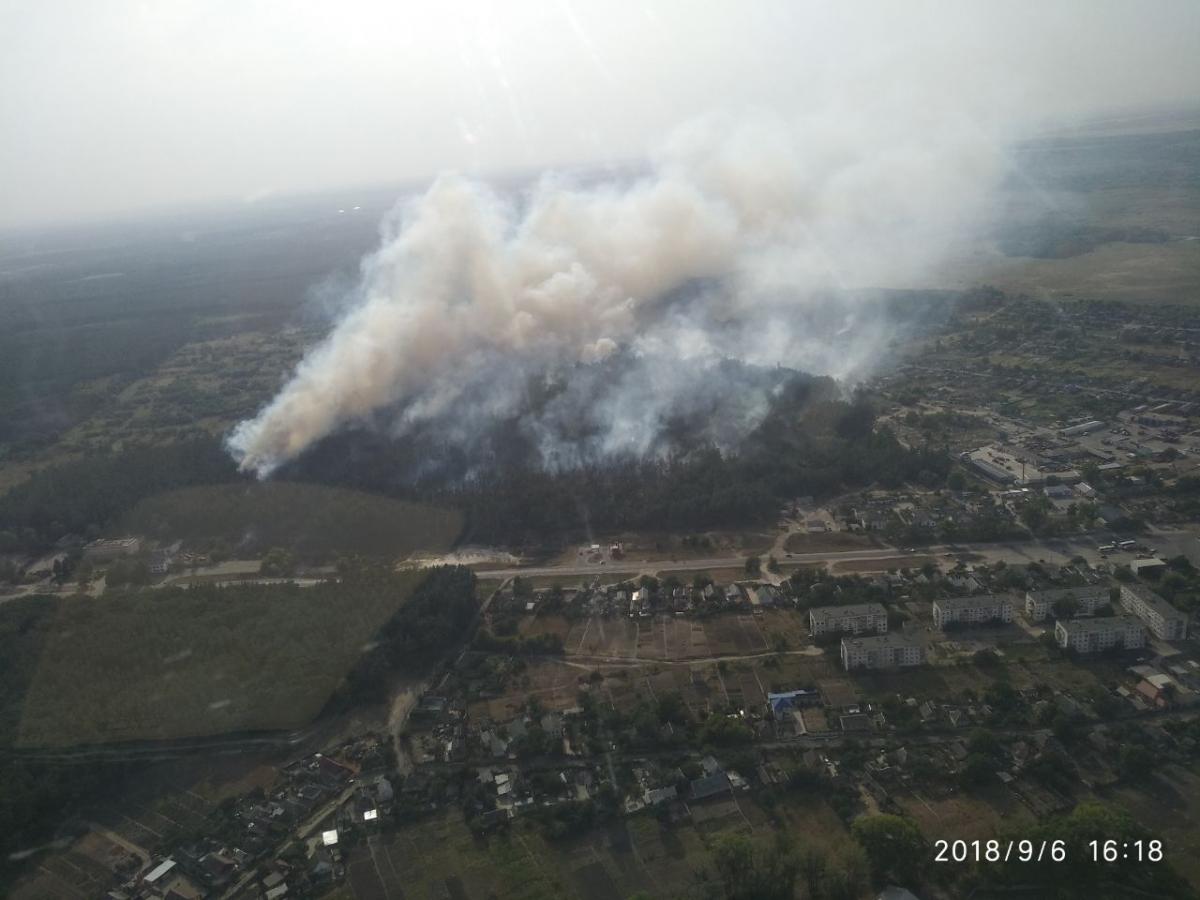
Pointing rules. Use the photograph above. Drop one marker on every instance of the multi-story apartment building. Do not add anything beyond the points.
(1163, 620)
(856, 618)
(972, 610)
(1094, 635)
(1040, 604)
(883, 651)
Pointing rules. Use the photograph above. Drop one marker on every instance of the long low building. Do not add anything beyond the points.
(854, 618)
(883, 651)
(1082, 428)
(972, 610)
(1163, 620)
(1088, 599)
(1095, 635)
(107, 549)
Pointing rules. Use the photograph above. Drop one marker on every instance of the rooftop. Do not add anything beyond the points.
(160, 870)
(1152, 600)
(972, 602)
(879, 641)
(1052, 595)
(1095, 626)
(850, 609)
(709, 786)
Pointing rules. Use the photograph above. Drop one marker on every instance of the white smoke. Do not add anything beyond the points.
(748, 240)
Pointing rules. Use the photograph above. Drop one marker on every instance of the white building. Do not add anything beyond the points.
(1094, 635)
(107, 549)
(1040, 604)
(972, 610)
(1163, 620)
(1082, 428)
(856, 618)
(883, 651)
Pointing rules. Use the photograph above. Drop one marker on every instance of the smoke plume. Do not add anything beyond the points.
(754, 239)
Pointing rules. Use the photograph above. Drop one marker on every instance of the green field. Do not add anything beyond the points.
(316, 522)
(184, 663)
(24, 625)
(440, 857)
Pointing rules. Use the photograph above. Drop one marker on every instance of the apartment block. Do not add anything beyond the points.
(1095, 635)
(1040, 604)
(972, 610)
(856, 618)
(1163, 620)
(883, 651)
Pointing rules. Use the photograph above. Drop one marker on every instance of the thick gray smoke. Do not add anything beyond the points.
(749, 239)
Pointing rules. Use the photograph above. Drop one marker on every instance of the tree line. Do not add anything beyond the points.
(433, 619)
(85, 496)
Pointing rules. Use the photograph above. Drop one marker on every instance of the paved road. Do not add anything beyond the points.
(636, 566)
(1058, 550)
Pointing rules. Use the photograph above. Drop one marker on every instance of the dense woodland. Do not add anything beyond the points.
(86, 496)
(317, 524)
(434, 619)
(811, 442)
(70, 341)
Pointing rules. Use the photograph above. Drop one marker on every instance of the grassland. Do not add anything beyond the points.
(887, 564)
(24, 625)
(1147, 273)
(1169, 804)
(316, 522)
(828, 541)
(200, 662)
(440, 857)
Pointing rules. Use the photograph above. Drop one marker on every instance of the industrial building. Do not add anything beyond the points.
(1082, 428)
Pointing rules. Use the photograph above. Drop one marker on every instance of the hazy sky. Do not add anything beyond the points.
(108, 106)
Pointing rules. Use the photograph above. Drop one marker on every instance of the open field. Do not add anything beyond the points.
(881, 565)
(1150, 273)
(1168, 804)
(25, 624)
(802, 542)
(1028, 666)
(704, 686)
(542, 582)
(317, 522)
(196, 662)
(966, 815)
(720, 576)
(440, 858)
(665, 547)
(555, 685)
(668, 637)
(484, 587)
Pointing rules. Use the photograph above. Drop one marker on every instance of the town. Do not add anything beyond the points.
(878, 589)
